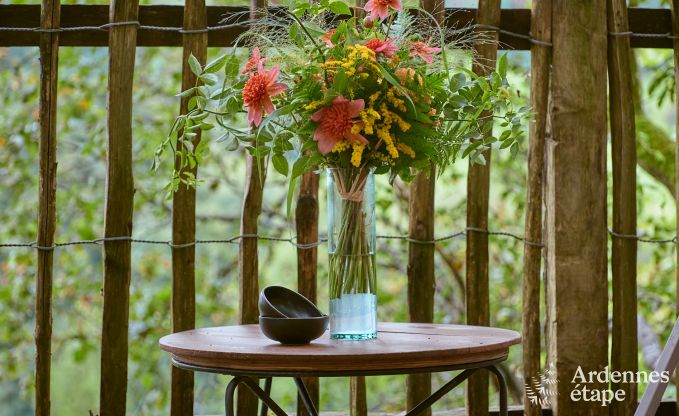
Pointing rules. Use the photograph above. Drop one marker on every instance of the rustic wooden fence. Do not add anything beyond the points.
(571, 48)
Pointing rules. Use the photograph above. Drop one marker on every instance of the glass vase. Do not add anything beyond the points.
(351, 249)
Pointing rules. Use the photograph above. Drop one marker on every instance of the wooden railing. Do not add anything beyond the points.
(566, 157)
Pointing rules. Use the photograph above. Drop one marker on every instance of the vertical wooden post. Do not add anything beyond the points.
(577, 282)
(119, 205)
(541, 21)
(184, 217)
(358, 403)
(421, 271)
(49, 60)
(248, 261)
(306, 215)
(478, 190)
(675, 31)
(357, 394)
(624, 351)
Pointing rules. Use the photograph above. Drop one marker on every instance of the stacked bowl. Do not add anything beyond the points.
(288, 317)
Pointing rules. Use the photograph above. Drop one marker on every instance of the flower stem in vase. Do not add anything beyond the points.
(352, 273)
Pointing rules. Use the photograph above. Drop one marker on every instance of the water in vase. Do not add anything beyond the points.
(354, 317)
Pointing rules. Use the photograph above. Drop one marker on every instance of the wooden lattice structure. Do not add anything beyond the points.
(572, 47)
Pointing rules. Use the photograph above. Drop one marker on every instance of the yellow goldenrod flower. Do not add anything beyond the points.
(314, 105)
(356, 155)
(402, 124)
(386, 137)
(406, 149)
(341, 146)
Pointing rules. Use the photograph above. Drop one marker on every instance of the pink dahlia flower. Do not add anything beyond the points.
(380, 8)
(423, 50)
(335, 123)
(258, 90)
(385, 47)
(254, 61)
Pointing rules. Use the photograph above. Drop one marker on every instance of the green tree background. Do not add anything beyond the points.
(78, 283)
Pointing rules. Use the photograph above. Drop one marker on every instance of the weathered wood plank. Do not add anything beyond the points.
(577, 283)
(674, 4)
(357, 394)
(248, 261)
(653, 21)
(667, 363)
(541, 21)
(184, 218)
(624, 352)
(478, 191)
(49, 60)
(420, 269)
(119, 206)
(306, 215)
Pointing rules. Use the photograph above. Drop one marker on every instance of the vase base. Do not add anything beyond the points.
(354, 337)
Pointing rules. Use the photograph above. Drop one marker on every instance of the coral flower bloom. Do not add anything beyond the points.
(257, 93)
(423, 50)
(326, 38)
(335, 123)
(254, 61)
(385, 47)
(380, 8)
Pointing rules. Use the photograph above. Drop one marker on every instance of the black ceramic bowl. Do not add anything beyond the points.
(281, 302)
(293, 330)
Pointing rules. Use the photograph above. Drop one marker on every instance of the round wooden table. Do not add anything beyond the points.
(400, 348)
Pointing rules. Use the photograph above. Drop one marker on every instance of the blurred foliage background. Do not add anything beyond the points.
(78, 269)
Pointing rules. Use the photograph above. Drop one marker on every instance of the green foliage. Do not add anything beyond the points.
(412, 112)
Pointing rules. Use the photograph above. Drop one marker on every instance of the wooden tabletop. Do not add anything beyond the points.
(399, 348)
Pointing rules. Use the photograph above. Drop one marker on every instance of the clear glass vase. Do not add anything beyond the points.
(351, 249)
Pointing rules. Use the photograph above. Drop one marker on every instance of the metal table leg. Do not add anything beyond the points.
(269, 403)
(254, 387)
(429, 401)
(306, 398)
(267, 389)
(446, 388)
(502, 387)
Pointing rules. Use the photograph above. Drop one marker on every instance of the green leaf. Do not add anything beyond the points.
(291, 194)
(287, 109)
(194, 65)
(502, 66)
(216, 65)
(209, 79)
(280, 163)
(232, 67)
(341, 82)
(339, 7)
(314, 29)
(296, 35)
(299, 167)
(186, 93)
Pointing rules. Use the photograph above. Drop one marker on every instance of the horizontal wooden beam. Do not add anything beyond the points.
(644, 21)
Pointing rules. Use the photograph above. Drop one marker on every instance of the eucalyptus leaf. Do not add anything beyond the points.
(194, 65)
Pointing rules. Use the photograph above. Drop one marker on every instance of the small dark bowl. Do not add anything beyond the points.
(281, 302)
(293, 330)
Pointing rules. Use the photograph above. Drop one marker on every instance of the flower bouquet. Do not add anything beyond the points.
(324, 88)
